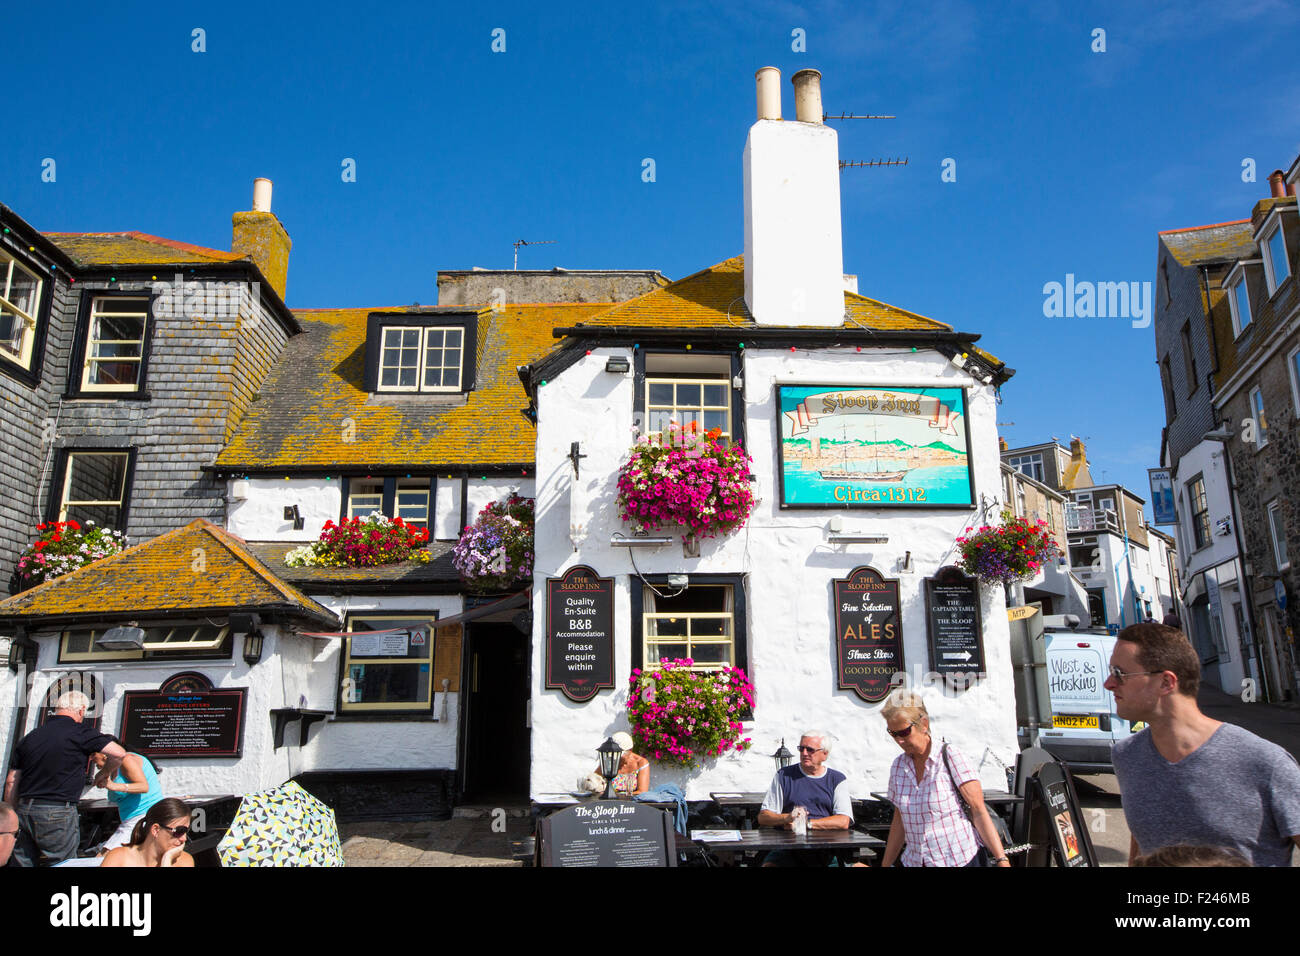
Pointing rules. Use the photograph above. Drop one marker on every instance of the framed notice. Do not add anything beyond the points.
(868, 633)
(579, 633)
(607, 833)
(952, 620)
(185, 719)
(873, 447)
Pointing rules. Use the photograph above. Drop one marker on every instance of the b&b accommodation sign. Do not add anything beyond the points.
(579, 633)
(185, 717)
(952, 617)
(868, 633)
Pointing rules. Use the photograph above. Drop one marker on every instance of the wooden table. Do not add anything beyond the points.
(843, 844)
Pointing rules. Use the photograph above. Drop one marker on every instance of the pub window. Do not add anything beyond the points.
(365, 498)
(698, 623)
(94, 488)
(387, 664)
(162, 642)
(115, 340)
(689, 389)
(411, 502)
(20, 300)
(1200, 512)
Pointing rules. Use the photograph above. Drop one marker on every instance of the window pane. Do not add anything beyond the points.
(11, 327)
(1243, 303)
(453, 338)
(451, 377)
(106, 516)
(661, 652)
(119, 304)
(714, 420)
(688, 394)
(119, 327)
(659, 421)
(661, 394)
(96, 477)
(715, 395)
(666, 626)
(389, 683)
(414, 644)
(1277, 253)
(407, 377)
(432, 377)
(113, 373)
(102, 350)
(24, 290)
(711, 653)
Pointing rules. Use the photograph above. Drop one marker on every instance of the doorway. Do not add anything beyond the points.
(495, 732)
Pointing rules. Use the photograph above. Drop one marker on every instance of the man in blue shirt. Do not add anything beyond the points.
(817, 790)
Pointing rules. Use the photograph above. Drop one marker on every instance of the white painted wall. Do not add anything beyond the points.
(260, 516)
(790, 567)
(483, 493)
(397, 744)
(794, 257)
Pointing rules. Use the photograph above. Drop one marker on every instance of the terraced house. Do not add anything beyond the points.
(392, 689)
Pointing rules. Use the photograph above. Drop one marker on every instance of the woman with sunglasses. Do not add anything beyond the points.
(924, 782)
(158, 839)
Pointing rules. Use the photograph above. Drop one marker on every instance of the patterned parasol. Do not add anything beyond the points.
(285, 826)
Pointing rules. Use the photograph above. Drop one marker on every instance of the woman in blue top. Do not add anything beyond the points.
(135, 789)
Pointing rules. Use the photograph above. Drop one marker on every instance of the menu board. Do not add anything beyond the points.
(184, 723)
(952, 618)
(608, 833)
(579, 633)
(868, 633)
(1065, 819)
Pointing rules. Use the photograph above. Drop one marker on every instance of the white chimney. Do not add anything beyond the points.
(794, 257)
(261, 195)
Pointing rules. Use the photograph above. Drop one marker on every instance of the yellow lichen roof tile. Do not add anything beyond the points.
(195, 569)
(716, 297)
(1219, 242)
(134, 248)
(313, 412)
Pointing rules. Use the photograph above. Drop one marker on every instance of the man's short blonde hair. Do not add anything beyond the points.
(905, 703)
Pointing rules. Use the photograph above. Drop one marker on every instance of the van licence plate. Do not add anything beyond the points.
(1079, 721)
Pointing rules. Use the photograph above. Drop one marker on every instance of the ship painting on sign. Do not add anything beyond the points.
(875, 473)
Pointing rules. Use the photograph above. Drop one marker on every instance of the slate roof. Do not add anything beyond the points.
(89, 249)
(197, 569)
(1202, 245)
(297, 423)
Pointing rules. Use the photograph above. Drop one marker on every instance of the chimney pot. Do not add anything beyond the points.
(261, 195)
(768, 81)
(807, 96)
(1276, 180)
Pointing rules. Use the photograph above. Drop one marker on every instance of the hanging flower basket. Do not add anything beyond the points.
(496, 551)
(1013, 551)
(686, 478)
(682, 716)
(65, 546)
(362, 543)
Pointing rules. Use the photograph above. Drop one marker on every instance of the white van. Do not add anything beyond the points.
(1075, 716)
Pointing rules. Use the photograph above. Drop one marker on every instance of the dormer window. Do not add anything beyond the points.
(20, 302)
(420, 353)
(1276, 266)
(1239, 298)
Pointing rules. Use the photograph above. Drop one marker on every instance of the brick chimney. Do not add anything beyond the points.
(1077, 474)
(1002, 443)
(1277, 184)
(794, 257)
(259, 235)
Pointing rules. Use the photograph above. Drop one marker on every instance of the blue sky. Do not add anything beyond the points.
(1067, 160)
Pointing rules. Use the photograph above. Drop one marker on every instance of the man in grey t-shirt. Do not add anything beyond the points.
(1190, 779)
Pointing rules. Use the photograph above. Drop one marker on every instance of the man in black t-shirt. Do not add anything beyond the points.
(46, 779)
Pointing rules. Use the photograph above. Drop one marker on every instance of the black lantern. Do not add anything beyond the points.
(252, 647)
(782, 756)
(611, 755)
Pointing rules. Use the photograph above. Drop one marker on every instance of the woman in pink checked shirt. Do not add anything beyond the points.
(928, 812)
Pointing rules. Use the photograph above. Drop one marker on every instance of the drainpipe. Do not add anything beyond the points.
(1119, 591)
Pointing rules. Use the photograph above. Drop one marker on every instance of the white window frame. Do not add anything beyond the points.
(676, 409)
(87, 385)
(1258, 413)
(1036, 459)
(650, 638)
(1266, 238)
(362, 707)
(424, 333)
(161, 643)
(70, 464)
(412, 489)
(362, 510)
(1237, 278)
(1280, 549)
(1293, 367)
(22, 354)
